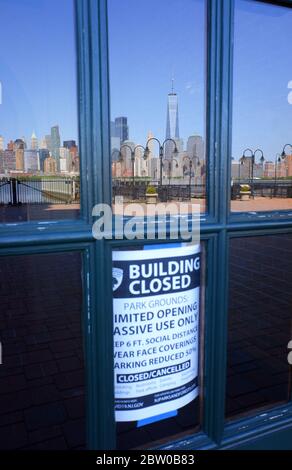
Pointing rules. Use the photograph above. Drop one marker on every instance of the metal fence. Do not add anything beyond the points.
(264, 188)
(5, 191)
(166, 192)
(15, 191)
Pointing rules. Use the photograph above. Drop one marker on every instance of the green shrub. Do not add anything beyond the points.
(244, 188)
(151, 190)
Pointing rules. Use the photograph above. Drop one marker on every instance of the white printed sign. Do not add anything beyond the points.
(156, 328)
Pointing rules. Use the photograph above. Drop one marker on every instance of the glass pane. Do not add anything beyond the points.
(39, 155)
(261, 166)
(42, 370)
(157, 302)
(157, 80)
(260, 322)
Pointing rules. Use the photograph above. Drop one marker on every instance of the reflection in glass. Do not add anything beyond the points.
(157, 99)
(42, 374)
(39, 154)
(260, 322)
(261, 168)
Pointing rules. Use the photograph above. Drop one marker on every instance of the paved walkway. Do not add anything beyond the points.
(31, 212)
(42, 375)
(259, 323)
(259, 204)
(173, 207)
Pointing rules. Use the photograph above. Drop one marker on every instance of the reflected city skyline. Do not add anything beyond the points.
(48, 155)
(175, 158)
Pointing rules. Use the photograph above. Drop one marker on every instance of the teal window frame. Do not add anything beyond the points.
(218, 225)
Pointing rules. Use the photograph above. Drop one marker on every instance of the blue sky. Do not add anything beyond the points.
(150, 41)
(262, 116)
(37, 68)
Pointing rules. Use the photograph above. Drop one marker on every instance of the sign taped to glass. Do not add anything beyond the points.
(156, 330)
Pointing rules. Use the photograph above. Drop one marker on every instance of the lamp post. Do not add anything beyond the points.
(176, 164)
(277, 160)
(115, 152)
(252, 160)
(169, 165)
(133, 160)
(133, 154)
(243, 159)
(283, 154)
(127, 147)
(191, 161)
(241, 162)
(161, 152)
(262, 159)
(115, 157)
(170, 162)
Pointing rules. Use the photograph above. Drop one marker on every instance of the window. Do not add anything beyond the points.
(258, 373)
(158, 136)
(144, 71)
(42, 375)
(39, 148)
(261, 168)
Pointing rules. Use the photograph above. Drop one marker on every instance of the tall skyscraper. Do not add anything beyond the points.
(19, 154)
(65, 160)
(113, 129)
(68, 144)
(121, 128)
(56, 144)
(195, 147)
(48, 142)
(34, 144)
(43, 143)
(24, 142)
(9, 160)
(151, 146)
(172, 122)
(43, 154)
(1, 161)
(50, 165)
(126, 158)
(115, 142)
(172, 125)
(1, 142)
(31, 161)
